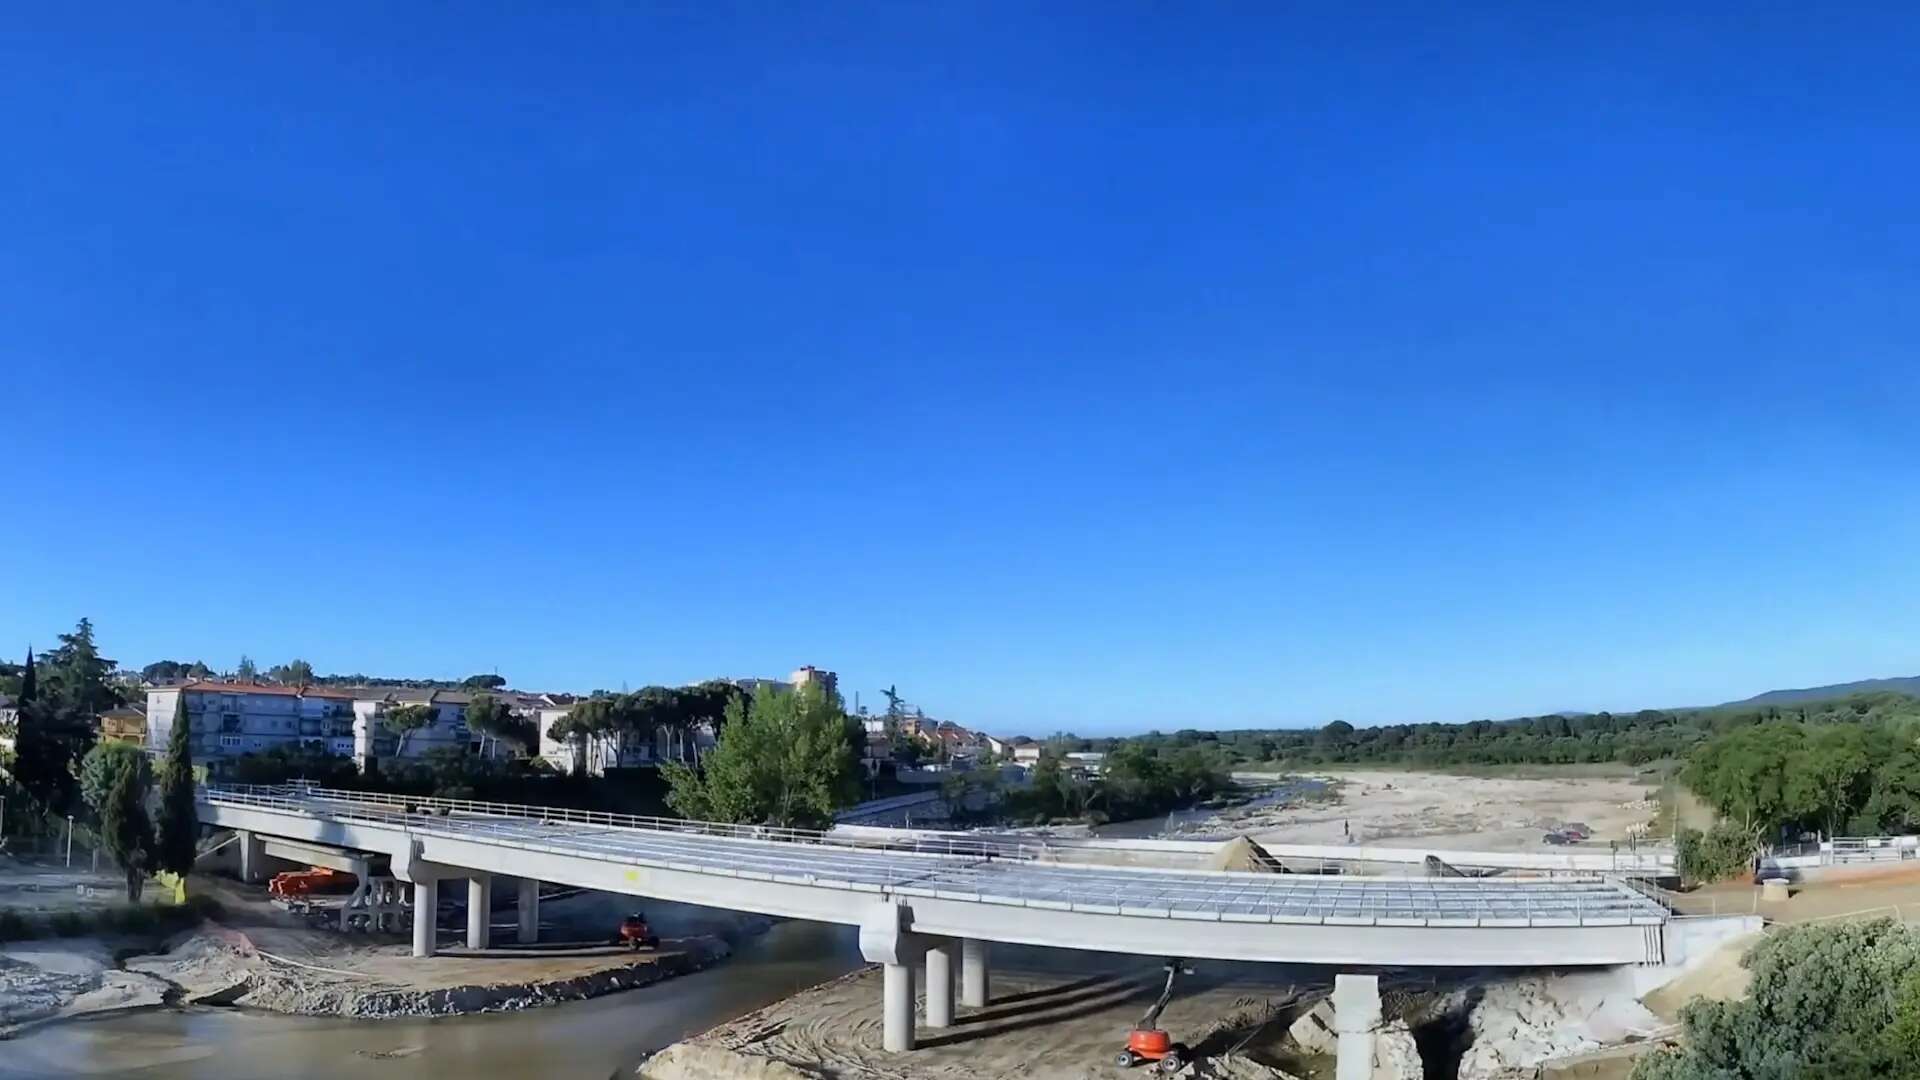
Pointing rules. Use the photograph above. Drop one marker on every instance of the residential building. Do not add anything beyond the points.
(125, 723)
(1027, 754)
(827, 681)
(9, 722)
(447, 731)
(230, 719)
(619, 750)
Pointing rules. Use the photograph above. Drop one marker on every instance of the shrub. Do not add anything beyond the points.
(14, 926)
(1838, 1001)
(68, 924)
(1721, 852)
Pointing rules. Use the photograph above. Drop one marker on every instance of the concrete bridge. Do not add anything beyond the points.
(935, 903)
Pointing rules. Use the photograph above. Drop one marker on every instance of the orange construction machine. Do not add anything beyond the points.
(315, 881)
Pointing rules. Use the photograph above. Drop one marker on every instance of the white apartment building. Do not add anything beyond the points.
(230, 719)
(619, 750)
(447, 731)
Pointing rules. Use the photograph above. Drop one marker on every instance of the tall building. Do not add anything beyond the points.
(828, 681)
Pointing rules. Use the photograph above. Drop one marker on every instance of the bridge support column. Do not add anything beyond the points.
(426, 909)
(479, 911)
(885, 939)
(940, 955)
(973, 973)
(1356, 1013)
(253, 856)
(896, 995)
(528, 908)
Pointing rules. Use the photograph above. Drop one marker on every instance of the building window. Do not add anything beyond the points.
(229, 742)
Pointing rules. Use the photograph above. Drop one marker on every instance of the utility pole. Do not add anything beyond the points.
(69, 841)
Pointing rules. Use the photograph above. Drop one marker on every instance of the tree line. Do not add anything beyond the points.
(58, 768)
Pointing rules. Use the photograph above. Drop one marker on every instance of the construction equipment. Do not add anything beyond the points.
(317, 880)
(1149, 1044)
(636, 934)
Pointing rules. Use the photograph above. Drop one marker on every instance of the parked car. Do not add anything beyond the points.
(1576, 830)
(1556, 837)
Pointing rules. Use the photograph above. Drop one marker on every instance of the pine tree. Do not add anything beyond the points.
(179, 821)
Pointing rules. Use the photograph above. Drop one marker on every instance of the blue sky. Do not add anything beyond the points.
(1095, 368)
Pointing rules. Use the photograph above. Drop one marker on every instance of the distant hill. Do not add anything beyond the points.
(1907, 685)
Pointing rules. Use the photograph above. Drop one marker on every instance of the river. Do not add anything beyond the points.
(588, 1040)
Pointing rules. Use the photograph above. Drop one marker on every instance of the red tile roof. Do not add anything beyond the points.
(261, 688)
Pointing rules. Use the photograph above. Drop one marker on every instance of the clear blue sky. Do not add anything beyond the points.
(1110, 367)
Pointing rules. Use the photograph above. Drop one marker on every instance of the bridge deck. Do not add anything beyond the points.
(991, 878)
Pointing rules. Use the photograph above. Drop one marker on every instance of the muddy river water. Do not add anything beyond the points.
(593, 1039)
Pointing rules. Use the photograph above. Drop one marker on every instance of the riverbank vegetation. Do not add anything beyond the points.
(131, 918)
(1840, 1001)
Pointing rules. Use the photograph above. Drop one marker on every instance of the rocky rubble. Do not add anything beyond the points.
(1518, 1023)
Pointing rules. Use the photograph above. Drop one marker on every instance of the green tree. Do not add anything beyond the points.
(179, 831)
(53, 730)
(492, 717)
(292, 673)
(404, 720)
(247, 671)
(1839, 1001)
(483, 682)
(79, 673)
(785, 760)
(1830, 778)
(100, 771)
(125, 829)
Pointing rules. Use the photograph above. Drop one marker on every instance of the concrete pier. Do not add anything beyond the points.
(940, 957)
(973, 973)
(1356, 1013)
(896, 995)
(253, 856)
(426, 907)
(479, 911)
(528, 908)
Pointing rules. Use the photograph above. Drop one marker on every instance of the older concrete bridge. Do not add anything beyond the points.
(934, 903)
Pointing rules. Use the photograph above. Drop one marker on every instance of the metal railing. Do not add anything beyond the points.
(298, 796)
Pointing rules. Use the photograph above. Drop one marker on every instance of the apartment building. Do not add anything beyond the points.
(230, 719)
(447, 731)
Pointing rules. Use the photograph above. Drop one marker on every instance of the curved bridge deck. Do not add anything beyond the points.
(988, 890)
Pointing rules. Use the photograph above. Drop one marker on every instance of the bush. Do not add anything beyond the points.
(1721, 852)
(1839, 1001)
(14, 926)
(132, 919)
(68, 924)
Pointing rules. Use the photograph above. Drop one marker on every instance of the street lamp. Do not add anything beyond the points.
(69, 841)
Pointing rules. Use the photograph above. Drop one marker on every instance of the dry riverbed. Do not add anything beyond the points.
(1451, 812)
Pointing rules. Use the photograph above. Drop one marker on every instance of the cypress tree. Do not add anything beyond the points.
(127, 831)
(179, 821)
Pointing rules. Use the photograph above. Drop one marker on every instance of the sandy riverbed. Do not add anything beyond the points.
(1449, 812)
